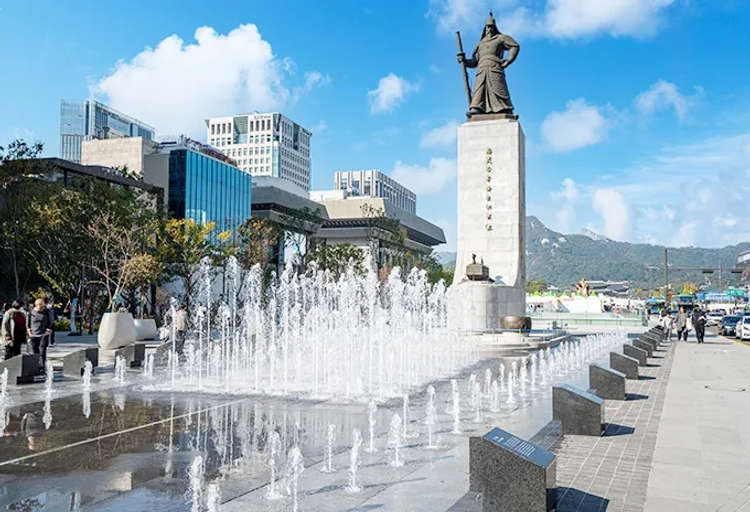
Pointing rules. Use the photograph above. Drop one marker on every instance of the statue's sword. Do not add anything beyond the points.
(463, 66)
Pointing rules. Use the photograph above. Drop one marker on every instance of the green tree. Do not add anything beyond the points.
(689, 288)
(338, 258)
(536, 285)
(183, 243)
(22, 185)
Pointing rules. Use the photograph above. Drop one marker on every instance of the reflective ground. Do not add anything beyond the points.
(125, 448)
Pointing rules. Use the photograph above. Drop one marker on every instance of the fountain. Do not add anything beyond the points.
(213, 497)
(477, 399)
(456, 408)
(372, 409)
(295, 465)
(195, 477)
(394, 440)
(49, 376)
(259, 337)
(148, 367)
(494, 397)
(274, 445)
(88, 370)
(3, 399)
(328, 468)
(406, 434)
(430, 416)
(354, 462)
(120, 370)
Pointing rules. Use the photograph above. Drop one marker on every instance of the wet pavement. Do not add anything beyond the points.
(124, 448)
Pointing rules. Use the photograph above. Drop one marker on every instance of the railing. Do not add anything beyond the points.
(560, 320)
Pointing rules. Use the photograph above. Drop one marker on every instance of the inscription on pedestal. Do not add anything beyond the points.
(512, 474)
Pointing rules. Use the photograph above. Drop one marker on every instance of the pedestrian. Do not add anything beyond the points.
(13, 330)
(51, 314)
(682, 327)
(39, 329)
(180, 326)
(699, 324)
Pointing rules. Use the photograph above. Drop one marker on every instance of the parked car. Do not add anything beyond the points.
(743, 328)
(728, 325)
(714, 318)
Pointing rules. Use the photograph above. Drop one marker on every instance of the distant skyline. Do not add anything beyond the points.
(636, 112)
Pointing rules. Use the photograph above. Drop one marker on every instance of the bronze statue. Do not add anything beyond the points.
(491, 94)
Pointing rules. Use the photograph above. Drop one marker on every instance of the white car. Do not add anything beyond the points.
(714, 318)
(743, 328)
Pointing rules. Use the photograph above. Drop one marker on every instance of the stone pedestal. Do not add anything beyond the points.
(636, 353)
(74, 363)
(491, 219)
(580, 412)
(512, 474)
(21, 368)
(644, 345)
(134, 354)
(624, 364)
(607, 383)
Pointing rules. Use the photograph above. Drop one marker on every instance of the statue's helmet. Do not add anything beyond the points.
(489, 23)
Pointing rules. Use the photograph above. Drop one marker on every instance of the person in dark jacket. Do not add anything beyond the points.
(13, 330)
(699, 324)
(39, 331)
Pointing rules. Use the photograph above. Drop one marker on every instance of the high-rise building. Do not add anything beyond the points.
(264, 144)
(90, 119)
(373, 183)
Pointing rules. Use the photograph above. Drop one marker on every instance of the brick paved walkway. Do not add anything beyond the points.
(611, 472)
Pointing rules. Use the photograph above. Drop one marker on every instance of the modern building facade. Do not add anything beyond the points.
(87, 120)
(374, 183)
(206, 189)
(264, 144)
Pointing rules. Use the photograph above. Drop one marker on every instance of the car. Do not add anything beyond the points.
(728, 325)
(743, 328)
(714, 317)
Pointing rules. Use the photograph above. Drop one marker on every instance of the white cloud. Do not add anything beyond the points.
(685, 236)
(391, 92)
(176, 85)
(578, 126)
(554, 18)
(441, 136)
(661, 95)
(313, 79)
(566, 211)
(425, 180)
(583, 18)
(615, 211)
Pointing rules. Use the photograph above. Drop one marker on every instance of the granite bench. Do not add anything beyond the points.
(580, 412)
(624, 364)
(636, 353)
(644, 345)
(606, 383)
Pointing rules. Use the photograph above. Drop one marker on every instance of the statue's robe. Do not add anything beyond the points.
(490, 88)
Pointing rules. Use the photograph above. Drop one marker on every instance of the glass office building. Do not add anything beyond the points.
(90, 119)
(206, 189)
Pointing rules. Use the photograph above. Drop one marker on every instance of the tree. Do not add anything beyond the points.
(121, 262)
(338, 258)
(21, 186)
(184, 243)
(689, 288)
(257, 240)
(536, 286)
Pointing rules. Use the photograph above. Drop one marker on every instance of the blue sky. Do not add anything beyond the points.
(637, 112)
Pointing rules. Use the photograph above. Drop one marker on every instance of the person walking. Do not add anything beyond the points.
(699, 324)
(682, 327)
(39, 330)
(13, 330)
(180, 327)
(51, 314)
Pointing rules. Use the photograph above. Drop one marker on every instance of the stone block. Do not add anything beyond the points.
(21, 368)
(655, 339)
(134, 354)
(624, 364)
(512, 474)
(74, 362)
(636, 353)
(606, 382)
(580, 412)
(644, 345)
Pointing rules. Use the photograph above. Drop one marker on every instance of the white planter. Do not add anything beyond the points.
(116, 330)
(145, 329)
